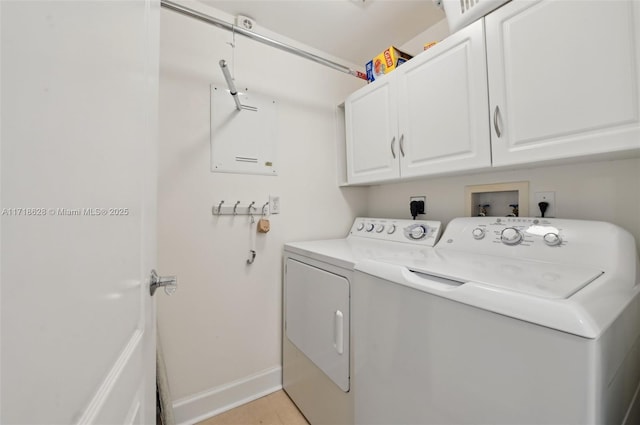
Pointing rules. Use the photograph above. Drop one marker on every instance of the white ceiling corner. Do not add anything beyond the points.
(353, 30)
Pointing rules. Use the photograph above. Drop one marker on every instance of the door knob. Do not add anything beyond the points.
(170, 283)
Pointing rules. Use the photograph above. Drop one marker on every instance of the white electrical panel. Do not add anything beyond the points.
(243, 141)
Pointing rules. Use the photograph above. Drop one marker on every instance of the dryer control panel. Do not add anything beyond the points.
(420, 232)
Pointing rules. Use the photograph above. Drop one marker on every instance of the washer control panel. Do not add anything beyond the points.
(422, 232)
(588, 243)
(486, 234)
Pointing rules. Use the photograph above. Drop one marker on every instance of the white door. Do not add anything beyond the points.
(563, 79)
(442, 106)
(371, 121)
(78, 157)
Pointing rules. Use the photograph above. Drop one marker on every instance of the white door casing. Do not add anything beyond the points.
(78, 175)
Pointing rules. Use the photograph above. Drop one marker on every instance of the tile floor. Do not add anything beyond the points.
(273, 409)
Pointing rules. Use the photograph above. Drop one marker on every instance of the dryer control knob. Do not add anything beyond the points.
(417, 232)
(369, 227)
(552, 239)
(478, 233)
(379, 228)
(391, 229)
(511, 236)
(360, 227)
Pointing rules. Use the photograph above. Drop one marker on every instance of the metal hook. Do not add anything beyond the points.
(235, 207)
(220, 207)
(252, 256)
(253, 220)
(263, 207)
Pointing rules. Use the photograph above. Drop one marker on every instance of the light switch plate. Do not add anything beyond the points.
(274, 204)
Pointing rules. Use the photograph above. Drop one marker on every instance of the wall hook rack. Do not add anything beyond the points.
(238, 208)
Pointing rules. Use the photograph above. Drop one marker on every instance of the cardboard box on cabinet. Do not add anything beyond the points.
(385, 62)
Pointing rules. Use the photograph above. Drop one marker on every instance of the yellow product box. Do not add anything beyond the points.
(430, 44)
(385, 62)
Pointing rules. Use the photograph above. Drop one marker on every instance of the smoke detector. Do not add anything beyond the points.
(245, 22)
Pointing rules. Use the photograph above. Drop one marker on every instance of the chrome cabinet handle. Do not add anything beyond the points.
(402, 145)
(170, 283)
(393, 147)
(496, 112)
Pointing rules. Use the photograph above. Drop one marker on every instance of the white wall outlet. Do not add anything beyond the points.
(550, 198)
(419, 198)
(274, 204)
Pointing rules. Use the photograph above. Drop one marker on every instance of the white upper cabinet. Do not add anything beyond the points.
(563, 79)
(427, 117)
(372, 132)
(552, 80)
(442, 107)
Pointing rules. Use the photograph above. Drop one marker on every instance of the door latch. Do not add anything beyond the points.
(170, 283)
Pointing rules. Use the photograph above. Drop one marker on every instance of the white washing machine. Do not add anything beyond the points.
(317, 355)
(505, 321)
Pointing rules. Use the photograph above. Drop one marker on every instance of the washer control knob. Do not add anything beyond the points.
(511, 236)
(379, 228)
(360, 227)
(552, 239)
(417, 232)
(478, 233)
(391, 229)
(369, 227)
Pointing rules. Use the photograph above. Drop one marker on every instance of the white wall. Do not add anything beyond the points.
(601, 190)
(437, 32)
(223, 323)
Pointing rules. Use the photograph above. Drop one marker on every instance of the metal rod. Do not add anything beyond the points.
(168, 4)
(230, 83)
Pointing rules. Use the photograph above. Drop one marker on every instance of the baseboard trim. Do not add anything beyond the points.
(198, 407)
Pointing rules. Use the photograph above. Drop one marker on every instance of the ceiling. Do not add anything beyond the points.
(352, 30)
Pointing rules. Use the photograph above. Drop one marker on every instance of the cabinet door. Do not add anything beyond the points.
(442, 107)
(372, 128)
(563, 79)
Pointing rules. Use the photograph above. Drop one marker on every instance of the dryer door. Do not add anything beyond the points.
(317, 318)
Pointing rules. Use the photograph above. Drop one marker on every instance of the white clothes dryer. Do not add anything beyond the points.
(317, 357)
(506, 321)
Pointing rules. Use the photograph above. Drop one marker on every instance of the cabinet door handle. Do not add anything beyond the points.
(402, 145)
(496, 112)
(393, 147)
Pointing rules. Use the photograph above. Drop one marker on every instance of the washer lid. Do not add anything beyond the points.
(536, 278)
